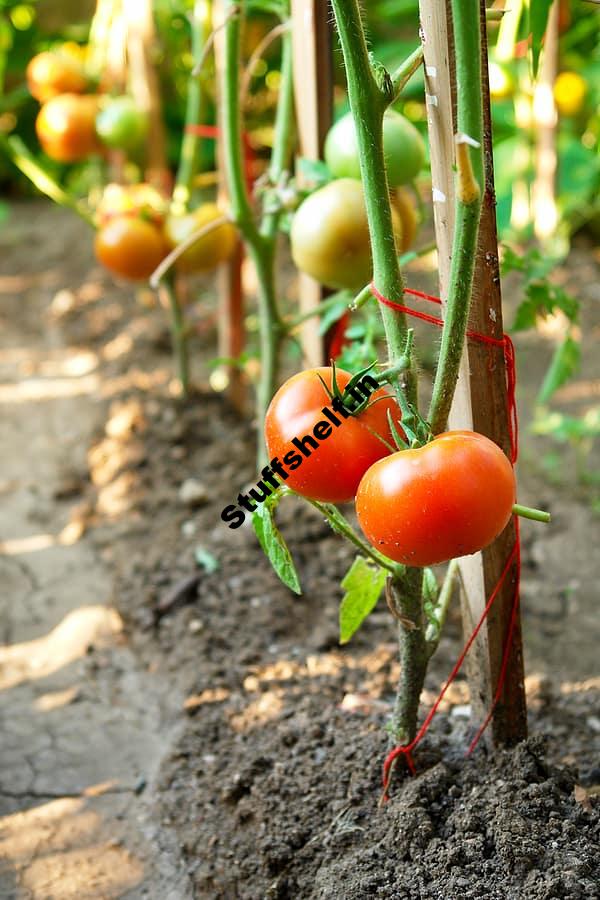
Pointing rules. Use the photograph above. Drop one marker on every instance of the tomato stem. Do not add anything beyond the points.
(340, 525)
(469, 159)
(527, 512)
(178, 332)
(406, 70)
(190, 144)
(370, 91)
(260, 240)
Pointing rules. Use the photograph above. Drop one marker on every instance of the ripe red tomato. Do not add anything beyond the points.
(130, 247)
(54, 72)
(66, 127)
(340, 454)
(449, 498)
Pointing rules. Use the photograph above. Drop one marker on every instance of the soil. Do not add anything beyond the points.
(175, 722)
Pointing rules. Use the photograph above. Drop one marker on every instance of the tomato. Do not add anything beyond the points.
(121, 124)
(449, 498)
(332, 469)
(210, 250)
(54, 72)
(570, 91)
(404, 203)
(139, 200)
(66, 127)
(130, 247)
(330, 235)
(403, 147)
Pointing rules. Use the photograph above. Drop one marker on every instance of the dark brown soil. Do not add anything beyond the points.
(271, 783)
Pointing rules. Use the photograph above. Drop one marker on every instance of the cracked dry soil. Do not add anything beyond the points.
(226, 747)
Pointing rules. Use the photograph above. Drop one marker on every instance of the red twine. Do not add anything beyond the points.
(508, 349)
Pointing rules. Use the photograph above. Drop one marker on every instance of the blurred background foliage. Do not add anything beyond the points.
(31, 27)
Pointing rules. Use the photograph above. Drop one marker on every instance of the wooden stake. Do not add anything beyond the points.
(313, 88)
(230, 294)
(481, 398)
(141, 41)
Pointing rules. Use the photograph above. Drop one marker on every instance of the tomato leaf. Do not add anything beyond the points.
(363, 584)
(538, 22)
(565, 363)
(273, 544)
(335, 311)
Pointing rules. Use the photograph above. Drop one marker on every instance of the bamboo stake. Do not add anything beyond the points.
(481, 400)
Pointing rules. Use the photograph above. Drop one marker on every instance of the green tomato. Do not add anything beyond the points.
(121, 125)
(403, 147)
(330, 235)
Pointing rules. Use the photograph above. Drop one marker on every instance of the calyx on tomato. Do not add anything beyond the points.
(327, 450)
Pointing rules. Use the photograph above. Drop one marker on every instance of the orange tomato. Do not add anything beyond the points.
(66, 127)
(130, 247)
(52, 73)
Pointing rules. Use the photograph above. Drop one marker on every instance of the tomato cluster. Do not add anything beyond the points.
(422, 506)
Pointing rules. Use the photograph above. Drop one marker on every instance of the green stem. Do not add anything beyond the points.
(468, 207)
(405, 596)
(282, 139)
(178, 333)
(20, 156)
(406, 70)
(370, 91)
(260, 242)
(190, 145)
(434, 630)
(341, 526)
(536, 515)
(323, 307)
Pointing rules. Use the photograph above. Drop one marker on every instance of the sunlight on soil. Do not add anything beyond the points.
(60, 852)
(67, 642)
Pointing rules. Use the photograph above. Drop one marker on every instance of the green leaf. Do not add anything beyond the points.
(335, 311)
(538, 21)
(273, 544)
(363, 584)
(565, 363)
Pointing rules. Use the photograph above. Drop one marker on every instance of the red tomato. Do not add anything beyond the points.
(130, 247)
(447, 499)
(336, 456)
(52, 73)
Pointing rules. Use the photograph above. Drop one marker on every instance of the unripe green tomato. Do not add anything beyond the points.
(121, 125)
(330, 235)
(403, 147)
(213, 248)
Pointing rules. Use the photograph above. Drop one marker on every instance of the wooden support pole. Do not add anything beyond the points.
(481, 396)
(313, 88)
(545, 121)
(230, 294)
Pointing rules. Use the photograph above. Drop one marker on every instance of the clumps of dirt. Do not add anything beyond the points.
(291, 811)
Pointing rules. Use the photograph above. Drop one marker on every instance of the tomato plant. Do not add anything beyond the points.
(141, 200)
(330, 235)
(447, 499)
(54, 72)
(66, 127)
(130, 247)
(121, 124)
(211, 249)
(332, 472)
(403, 147)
